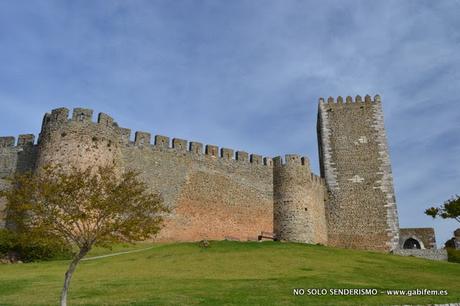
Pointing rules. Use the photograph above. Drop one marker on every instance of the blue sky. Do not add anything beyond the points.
(247, 75)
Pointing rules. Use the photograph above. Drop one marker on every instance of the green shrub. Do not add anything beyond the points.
(7, 242)
(204, 244)
(453, 255)
(28, 248)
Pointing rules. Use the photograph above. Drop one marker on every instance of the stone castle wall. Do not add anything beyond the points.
(212, 194)
(78, 141)
(15, 158)
(425, 236)
(218, 193)
(433, 254)
(354, 161)
(299, 198)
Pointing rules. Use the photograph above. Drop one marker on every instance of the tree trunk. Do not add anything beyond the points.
(69, 273)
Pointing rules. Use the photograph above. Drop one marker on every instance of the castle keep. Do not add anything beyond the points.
(217, 193)
(355, 163)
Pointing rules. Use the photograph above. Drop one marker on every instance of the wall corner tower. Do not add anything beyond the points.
(78, 141)
(298, 195)
(354, 161)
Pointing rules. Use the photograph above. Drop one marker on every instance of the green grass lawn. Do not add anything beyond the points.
(229, 273)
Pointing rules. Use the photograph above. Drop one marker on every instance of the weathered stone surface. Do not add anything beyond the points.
(354, 161)
(211, 197)
(425, 236)
(239, 195)
(79, 141)
(14, 159)
(298, 202)
(433, 254)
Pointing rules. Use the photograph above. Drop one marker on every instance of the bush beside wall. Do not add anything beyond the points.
(14, 246)
(453, 255)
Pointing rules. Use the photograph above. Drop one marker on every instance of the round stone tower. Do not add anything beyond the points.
(299, 196)
(78, 141)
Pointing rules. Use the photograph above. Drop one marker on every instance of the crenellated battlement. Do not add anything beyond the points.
(316, 179)
(7, 141)
(349, 101)
(160, 142)
(23, 140)
(217, 191)
(291, 160)
(298, 197)
(353, 152)
(295, 161)
(17, 156)
(59, 117)
(79, 139)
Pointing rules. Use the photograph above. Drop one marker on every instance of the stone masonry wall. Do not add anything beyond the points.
(433, 254)
(425, 235)
(213, 196)
(78, 141)
(15, 158)
(299, 200)
(354, 161)
(214, 193)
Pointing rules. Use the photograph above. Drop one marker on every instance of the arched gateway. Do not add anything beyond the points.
(411, 243)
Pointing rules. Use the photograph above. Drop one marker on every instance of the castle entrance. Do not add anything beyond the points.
(411, 243)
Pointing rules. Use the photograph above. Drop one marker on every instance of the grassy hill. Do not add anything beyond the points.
(229, 273)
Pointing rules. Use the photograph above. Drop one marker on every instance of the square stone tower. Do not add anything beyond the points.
(354, 161)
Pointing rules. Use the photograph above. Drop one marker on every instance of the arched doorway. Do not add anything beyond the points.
(411, 243)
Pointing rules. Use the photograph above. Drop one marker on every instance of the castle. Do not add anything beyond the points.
(219, 194)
